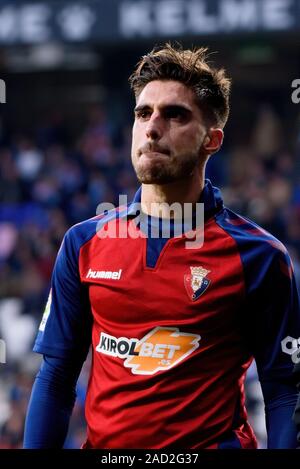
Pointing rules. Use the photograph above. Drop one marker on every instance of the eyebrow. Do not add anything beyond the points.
(174, 106)
(141, 107)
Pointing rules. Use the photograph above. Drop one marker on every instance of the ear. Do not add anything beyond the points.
(213, 140)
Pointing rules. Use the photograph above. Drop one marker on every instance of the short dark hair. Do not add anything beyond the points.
(190, 67)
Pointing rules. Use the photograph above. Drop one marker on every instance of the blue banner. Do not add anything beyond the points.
(24, 22)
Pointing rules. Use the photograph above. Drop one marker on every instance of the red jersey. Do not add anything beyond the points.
(172, 330)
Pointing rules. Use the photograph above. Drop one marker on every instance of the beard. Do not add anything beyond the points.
(165, 170)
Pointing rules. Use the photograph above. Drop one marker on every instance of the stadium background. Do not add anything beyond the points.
(65, 143)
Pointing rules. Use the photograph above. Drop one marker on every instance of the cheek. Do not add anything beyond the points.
(136, 137)
(195, 136)
(133, 139)
(186, 139)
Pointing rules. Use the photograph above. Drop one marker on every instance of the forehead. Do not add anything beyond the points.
(160, 93)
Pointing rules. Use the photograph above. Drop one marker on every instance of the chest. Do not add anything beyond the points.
(202, 286)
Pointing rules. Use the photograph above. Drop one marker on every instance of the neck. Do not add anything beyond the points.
(179, 192)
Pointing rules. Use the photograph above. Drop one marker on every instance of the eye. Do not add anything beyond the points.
(176, 113)
(172, 113)
(143, 114)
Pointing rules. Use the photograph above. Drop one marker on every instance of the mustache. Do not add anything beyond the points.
(153, 148)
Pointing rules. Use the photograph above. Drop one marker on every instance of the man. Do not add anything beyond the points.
(173, 327)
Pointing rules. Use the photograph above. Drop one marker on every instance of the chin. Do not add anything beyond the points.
(159, 179)
(155, 174)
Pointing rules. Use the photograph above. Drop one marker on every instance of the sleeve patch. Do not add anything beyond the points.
(46, 313)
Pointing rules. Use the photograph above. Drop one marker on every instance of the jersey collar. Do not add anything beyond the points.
(210, 196)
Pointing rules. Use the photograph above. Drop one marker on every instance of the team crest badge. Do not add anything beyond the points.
(196, 282)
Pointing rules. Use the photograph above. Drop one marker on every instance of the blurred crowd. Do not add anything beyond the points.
(51, 179)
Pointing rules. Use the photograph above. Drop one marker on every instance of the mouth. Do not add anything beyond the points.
(153, 151)
(154, 154)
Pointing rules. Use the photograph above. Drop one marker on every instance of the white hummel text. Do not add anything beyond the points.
(104, 274)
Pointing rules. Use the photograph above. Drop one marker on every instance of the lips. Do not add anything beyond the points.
(154, 153)
(153, 150)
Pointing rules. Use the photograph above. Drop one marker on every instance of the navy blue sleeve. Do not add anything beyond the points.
(51, 403)
(275, 328)
(65, 329)
(270, 322)
(280, 401)
(275, 320)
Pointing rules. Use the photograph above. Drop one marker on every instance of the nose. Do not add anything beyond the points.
(154, 128)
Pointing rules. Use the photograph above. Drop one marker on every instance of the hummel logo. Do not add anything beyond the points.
(104, 274)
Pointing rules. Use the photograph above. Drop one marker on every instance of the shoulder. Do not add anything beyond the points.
(263, 256)
(81, 233)
(249, 236)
